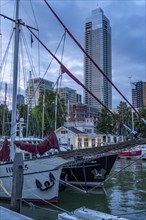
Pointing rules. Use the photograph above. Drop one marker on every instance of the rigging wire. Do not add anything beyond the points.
(28, 53)
(57, 82)
(116, 173)
(47, 67)
(65, 70)
(38, 36)
(32, 205)
(4, 60)
(95, 64)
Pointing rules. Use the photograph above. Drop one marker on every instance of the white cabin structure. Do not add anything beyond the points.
(81, 134)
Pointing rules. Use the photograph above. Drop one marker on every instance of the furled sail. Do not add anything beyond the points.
(50, 142)
(5, 151)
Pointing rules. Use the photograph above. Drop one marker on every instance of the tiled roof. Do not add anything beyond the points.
(75, 130)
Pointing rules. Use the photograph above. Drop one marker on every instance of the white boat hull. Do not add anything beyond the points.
(87, 214)
(36, 179)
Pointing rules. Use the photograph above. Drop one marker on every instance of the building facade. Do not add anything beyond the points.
(139, 94)
(34, 89)
(82, 134)
(69, 95)
(79, 112)
(20, 99)
(98, 47)
(78, 135)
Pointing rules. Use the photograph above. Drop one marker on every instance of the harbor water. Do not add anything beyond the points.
(124, 194)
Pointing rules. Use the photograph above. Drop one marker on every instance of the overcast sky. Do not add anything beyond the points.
(128, 24)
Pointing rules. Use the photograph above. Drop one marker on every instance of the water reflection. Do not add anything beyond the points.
(124, 195)
(127, 189)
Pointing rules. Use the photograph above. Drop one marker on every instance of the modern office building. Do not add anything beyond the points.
(98, 47)
(34, 88)
(69, 95)
(139, 94)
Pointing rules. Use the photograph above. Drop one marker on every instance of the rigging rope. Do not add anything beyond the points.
(31, 205)
(65, 70)
(95, 64)
(5, 58)
(48, 65)
(38, 36)
(116, 173)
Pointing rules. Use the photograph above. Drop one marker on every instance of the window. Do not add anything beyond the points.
(27, 156)
(79, 143)
(64, 132)
(86, 142)
(93, 142)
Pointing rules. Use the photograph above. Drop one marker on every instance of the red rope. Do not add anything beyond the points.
(65, 70)
(74, 39)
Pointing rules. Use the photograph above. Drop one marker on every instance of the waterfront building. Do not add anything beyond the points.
(34, 89)
(82, 134)
(98, 46)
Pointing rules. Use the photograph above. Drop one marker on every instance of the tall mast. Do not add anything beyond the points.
(43, 113)
(0, 36)
(15, 74)
(4, 111)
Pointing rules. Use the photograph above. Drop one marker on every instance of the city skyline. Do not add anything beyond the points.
(128, 38)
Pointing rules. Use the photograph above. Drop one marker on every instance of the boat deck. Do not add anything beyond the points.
(6, 214)
(97, 152)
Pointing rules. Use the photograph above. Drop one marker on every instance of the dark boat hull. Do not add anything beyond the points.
(89, 174)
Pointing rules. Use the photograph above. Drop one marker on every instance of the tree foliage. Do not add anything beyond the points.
(5, 119)
(105, 123)
(139, 124)
(108, 124)
(50, 106)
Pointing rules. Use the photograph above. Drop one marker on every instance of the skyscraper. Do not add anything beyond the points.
(98, 46)
(139, 94)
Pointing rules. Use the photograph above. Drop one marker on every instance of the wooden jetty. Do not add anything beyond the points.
(6, 214)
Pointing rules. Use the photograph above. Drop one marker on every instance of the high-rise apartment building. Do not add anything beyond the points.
(98, 46)
(139, 94)
(34, 88)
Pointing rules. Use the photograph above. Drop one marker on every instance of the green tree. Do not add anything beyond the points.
(106, 122)
(49, 112)
(125, 116)
(22, 109)
(139, 124)
(5, 119)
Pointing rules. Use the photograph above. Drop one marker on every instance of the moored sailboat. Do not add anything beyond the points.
(41, 176)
